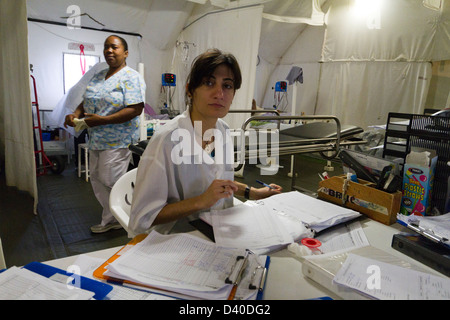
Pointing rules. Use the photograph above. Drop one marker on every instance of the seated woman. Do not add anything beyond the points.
(187, 167)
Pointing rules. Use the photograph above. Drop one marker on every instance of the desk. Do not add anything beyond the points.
(285, 280)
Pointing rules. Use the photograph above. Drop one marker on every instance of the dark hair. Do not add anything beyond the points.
(204, 66)
(122, 40)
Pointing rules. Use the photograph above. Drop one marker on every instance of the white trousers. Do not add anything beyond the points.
(105, 168)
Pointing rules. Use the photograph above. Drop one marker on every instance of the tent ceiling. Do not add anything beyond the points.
(160, 21)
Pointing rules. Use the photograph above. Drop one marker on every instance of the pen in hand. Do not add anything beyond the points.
(264, 184)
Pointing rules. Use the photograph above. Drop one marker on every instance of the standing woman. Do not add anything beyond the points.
(187, 167)
(112, 103)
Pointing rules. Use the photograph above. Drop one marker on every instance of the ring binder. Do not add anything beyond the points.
(236, 270)
(252, 286)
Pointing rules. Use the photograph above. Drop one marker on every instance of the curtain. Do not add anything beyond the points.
(235, 31)
(15, 99)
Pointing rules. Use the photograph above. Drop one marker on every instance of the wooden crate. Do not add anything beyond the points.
(362, 196)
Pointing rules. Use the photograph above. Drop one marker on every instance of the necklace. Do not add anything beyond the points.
(209, 146)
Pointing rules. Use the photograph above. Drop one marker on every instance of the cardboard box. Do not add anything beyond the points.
(418, 184)
(362, 196)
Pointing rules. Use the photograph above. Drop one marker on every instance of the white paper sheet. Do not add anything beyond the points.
(248, 227)
(438, 225)
(22, 284)
(344, 237)
(317, 214)
(88, 265)
(389, 282)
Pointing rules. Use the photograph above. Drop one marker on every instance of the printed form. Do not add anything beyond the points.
(386, 281)
(179, 262)
(22, 284)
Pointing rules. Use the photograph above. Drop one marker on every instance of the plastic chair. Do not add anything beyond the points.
(121, 196)
(2, 258)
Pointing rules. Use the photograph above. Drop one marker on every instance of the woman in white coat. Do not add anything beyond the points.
(187, 167)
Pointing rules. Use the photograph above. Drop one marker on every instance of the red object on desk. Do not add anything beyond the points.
(311, 243)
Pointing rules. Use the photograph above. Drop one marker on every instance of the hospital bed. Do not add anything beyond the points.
(323, 134)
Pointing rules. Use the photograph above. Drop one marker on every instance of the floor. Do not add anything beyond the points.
(67, 208)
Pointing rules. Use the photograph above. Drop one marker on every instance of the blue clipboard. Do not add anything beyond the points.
(99, 288)
(262, 287)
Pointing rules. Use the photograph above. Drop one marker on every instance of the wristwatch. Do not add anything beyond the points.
(247, 192)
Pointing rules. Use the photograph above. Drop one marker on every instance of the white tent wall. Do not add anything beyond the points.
(364, 73)
(371, 70)
(363, 93)
(236, 31)
(163, 25)
(304, 52)
(16, 132)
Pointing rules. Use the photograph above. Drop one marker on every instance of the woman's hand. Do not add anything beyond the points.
(217, 190)
(77, 114)
(68, 121)
(265, 192)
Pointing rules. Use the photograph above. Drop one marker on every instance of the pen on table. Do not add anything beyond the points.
(264, 184)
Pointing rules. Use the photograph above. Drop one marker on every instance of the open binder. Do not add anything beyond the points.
(241, 276)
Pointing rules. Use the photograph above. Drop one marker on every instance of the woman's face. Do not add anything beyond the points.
(114, 52)
(213, 98)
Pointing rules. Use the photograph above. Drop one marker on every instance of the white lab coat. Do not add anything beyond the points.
(164, 177)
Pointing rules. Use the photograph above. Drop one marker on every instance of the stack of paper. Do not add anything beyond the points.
(179, 263)
(268, 224)
(89, 264)
(315, 213)
(249, 227)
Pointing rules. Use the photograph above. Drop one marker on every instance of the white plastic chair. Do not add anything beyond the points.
(2, 258)
(121, 196)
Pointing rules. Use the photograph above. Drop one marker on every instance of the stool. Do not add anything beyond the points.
(85, 147)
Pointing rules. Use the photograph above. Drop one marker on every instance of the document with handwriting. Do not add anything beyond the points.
(248, 227)
(389, 282)
(179, 262)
